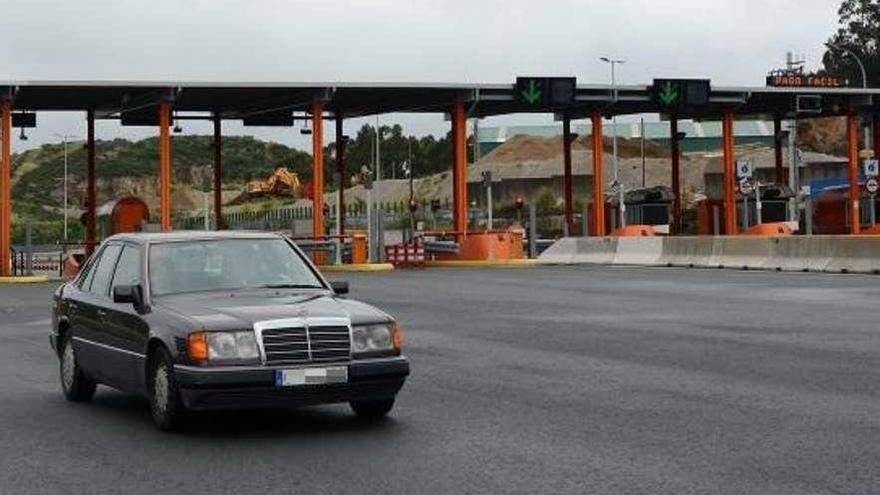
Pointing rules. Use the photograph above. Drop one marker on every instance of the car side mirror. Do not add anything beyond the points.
(128, 294)
(340, 287)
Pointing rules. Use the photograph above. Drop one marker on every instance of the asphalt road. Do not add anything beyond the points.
(543, 380)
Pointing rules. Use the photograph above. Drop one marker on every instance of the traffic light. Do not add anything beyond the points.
(413, 205)
(519, 202)
(487, 179)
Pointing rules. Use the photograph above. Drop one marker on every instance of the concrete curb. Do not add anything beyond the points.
(36, 279)
(522, 263)
(365, 267)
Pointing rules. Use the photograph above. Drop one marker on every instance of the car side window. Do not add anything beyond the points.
(128, 269)
(104, 270)
(88, 271)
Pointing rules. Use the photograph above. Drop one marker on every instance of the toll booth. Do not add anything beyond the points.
(774, 204)
(831, 210)
(774, 208)
(649, 206)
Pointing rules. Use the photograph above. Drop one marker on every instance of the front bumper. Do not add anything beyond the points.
(254, 387)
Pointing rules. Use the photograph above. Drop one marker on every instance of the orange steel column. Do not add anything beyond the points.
(91, 236)
(728, 182)
(852, 138)
(164, 166)
(317, 169)
(459, 165)
(598, 177)
(5, 187)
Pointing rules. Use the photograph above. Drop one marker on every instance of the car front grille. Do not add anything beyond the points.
(306, 344)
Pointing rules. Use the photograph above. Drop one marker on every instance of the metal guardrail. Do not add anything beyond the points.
(441, 247)
(25, 263)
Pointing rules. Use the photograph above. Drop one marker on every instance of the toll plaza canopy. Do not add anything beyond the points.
(280, 104)
(245, 100)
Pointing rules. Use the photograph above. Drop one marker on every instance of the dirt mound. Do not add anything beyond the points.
(826, 135)
(521, 148)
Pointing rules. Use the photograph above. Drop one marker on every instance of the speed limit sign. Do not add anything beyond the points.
(871, 185)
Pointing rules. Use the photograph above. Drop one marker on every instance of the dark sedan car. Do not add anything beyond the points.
(221, 320)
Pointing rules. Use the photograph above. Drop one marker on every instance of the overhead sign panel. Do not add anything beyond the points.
(147, 116)
(269, 119)
(545, 92)
(678, 94)
(24, 119)
(806, 81)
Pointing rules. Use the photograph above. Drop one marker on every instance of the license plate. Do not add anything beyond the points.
(311, 376)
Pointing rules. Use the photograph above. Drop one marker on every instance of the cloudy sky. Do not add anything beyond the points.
(733, 42)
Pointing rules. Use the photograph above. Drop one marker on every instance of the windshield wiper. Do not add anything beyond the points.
(290, 286)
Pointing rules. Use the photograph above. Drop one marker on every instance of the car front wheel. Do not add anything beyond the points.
(77, 387)
(163, 393)
(372, 409)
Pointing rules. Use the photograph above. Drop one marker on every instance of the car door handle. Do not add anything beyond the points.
(101, 313)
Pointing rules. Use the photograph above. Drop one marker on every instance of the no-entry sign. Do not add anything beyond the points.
(871, 185)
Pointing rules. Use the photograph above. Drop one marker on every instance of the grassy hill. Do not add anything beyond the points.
(126, 167)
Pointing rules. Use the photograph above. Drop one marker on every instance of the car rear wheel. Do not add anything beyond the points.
(372, 409)
(164, 398)
(77, 387)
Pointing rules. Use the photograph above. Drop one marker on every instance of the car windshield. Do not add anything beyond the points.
(224, 264)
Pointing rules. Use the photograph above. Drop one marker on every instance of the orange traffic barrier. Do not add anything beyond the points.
(358, 248)
(634, 231)
(488, 245)
(774, 229)
(875, 230)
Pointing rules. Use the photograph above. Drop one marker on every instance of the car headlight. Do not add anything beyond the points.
(223, 346)
(379, 338)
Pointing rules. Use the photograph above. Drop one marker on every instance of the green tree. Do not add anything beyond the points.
(430, 155)
(858, 31)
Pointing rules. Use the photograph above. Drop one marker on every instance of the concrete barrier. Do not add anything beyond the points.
(576, 250)
(800, 254)
(746, 252)
(687, 251)
(638, 251)
(857, 254)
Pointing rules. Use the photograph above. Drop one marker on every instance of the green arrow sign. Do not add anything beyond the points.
(532, 93)
(668, 94)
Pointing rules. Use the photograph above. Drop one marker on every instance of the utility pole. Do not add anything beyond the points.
(642, 134)
(617, 179)
(864, 80)
(64, 139)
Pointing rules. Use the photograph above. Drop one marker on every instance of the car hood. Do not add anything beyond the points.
(235, 310)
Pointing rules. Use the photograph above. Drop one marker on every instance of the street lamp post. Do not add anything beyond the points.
(621, 208)
(858, 60)
(64, 138)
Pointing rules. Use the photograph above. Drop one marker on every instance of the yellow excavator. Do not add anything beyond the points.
(282, 182)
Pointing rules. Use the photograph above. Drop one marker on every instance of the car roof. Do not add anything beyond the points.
(190, 235)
